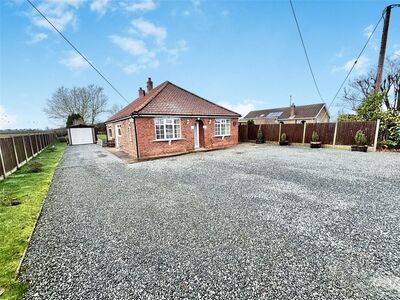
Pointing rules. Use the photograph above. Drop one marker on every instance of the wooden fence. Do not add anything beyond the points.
(339, 133)
(16, 150)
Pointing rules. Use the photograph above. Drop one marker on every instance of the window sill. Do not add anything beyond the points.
(168, 140)
(221, 136)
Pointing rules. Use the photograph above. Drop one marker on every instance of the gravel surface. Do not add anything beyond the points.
(250, 222)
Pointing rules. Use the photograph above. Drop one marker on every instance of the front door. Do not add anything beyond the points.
(196, 135)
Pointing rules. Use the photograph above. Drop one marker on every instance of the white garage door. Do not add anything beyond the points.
(81, 136)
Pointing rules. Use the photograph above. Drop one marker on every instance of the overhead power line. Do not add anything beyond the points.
(79, 52)
(355, 62)
(305, 51)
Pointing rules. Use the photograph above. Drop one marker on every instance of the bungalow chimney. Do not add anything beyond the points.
(141, 93)
(292, 110)
(149, 85)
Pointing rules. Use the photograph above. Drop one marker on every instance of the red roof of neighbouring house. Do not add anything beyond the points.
(170, 99)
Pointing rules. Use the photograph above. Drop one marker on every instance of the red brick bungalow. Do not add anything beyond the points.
(170, 120)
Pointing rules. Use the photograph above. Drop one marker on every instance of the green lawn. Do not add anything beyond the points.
(101, 136)
(16, 222)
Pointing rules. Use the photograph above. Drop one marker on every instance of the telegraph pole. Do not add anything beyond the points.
(382, 51)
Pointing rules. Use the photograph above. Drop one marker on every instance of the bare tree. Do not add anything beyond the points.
(361, 87)
(114, 109)
(90, 102)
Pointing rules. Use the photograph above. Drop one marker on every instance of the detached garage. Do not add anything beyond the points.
(81, 134)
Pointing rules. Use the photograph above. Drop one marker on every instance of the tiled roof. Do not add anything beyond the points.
(301, 111)
(170, 99)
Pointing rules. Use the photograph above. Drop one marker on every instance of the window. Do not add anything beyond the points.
(109, 132)
(168, 128)
(222, 127)
(119, 130)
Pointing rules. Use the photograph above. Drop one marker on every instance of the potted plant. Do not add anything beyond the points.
(361, 141)
(260, 137)
(315, 142)
(283, 140)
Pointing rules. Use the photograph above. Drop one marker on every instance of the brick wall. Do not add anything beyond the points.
(126, 142)
(150, 147)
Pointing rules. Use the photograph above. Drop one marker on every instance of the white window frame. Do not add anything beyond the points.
(224, 124)
(119, 129)
(164, 122)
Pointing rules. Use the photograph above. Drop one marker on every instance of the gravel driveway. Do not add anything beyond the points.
(250, 222)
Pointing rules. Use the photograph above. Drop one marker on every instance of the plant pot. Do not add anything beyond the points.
(259, 141)
(283, 143)
(315, 144)
(360, 148)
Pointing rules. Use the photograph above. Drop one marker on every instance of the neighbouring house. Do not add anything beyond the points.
(312, 113)
(167, 120)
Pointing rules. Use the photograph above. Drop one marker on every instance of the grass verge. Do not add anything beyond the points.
(16, 221)
(101, 136)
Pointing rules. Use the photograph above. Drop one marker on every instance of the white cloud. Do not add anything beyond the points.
(137, 48)
(142, 5)
(130, 45)
(99, 6)
(242, 108)
(6, 120)
(360, 67)
(147, 28)
(37, 37)
(395, 55)
(61, 13)
(368, 30)
(74, 61)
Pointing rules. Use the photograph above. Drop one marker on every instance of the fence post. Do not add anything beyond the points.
(334, 134)
(15, 151)
(280, 129)
(378, 123)
(2, 162)
(26, 153)
(304, 132)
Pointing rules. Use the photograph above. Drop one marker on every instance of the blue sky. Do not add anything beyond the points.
(242, 54)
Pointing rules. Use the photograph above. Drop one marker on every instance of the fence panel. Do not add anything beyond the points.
(243, 133)
(8, 153)
(28, 146)
(326, 132)
(252, 132)
(270, 132)
(19, 147)
(294, 132)
(347, 130)
(34, 143)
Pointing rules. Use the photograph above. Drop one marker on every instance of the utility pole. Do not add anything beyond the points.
(381, 60)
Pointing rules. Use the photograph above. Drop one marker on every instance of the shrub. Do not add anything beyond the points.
(260, 137)
(35, 167)
(315, 137)
(360, 138)
(250, 122)
(283, 137)
(62, 139)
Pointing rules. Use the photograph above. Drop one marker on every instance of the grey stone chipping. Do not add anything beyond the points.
(249, 222)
